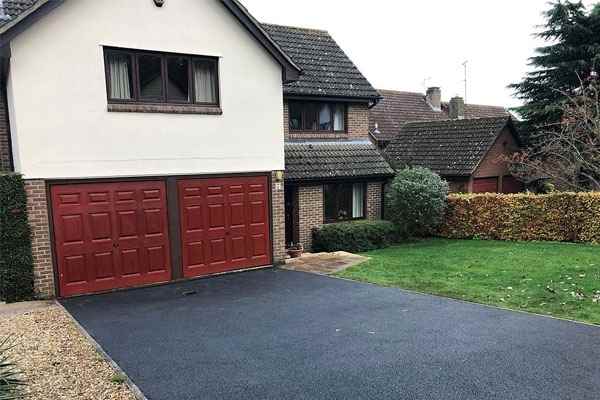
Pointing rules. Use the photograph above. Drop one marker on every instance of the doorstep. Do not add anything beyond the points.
(324, 263)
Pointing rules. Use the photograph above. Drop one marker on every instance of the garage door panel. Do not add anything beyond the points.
(75, 269)
(72, 228)
(100, 226)
(111, 227)
(219, 213)
(157, 261)
(485, 185)
(103, 265)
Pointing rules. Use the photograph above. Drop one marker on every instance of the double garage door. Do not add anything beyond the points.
(124, 234)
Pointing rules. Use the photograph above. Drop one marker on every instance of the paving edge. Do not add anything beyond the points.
(439, 296)
(130, 384)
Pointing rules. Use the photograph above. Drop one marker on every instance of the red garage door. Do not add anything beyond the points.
(511, 185)
(485, 185)
(110, 236)
(224, 224)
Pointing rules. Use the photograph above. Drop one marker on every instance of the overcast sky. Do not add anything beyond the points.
(409, 45)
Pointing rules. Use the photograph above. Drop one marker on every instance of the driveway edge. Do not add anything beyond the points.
(137, 393)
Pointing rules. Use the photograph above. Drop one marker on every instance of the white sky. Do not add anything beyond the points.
(398, 44)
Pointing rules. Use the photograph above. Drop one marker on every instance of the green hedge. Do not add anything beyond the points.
(560, 217)
(16, 260)
(354, 237)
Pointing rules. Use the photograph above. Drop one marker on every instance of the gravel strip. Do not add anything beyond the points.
(58, 361)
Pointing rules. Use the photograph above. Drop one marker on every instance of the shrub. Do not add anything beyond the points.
(10, 381)
(560, 217)
(416, 201)
(354, 237)
(16, 261)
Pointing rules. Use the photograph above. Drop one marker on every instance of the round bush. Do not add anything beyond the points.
(416, 202)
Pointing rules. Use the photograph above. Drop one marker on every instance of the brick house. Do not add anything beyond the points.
(396, 108)
(119, 132)
(462, 142)
(334, 172)
(465, 152)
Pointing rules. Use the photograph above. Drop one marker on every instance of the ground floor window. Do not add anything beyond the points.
(344, 201)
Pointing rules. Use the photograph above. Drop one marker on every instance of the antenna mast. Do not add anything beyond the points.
(465, 64)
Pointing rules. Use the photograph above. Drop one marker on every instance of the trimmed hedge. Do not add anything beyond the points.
(561, 217)
(354, 237)
(16, 260)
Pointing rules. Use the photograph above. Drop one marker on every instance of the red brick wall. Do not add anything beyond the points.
(374, 200)
(357, 124)
(37, 208)
(310, 213)
(278, 211)
(4, 135)
(492, 166)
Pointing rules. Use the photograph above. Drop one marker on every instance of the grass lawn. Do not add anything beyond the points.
(558, 279)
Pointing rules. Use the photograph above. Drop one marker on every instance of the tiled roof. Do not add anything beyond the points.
(327, 70)
(13, 8)
(321, 160)
(449, 148)
(397, 108)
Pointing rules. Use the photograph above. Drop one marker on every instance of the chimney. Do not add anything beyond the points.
(434, 98)
(456, 108)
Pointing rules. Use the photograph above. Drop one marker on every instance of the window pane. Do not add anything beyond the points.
(178, 85)
(151, 83)
(338, 202)
(119, 70)
(358, 200)
(330, 202)
(344, 202)
(339, 118)
(311, 117)
(295, 110)
(205, 81)
(325, 117)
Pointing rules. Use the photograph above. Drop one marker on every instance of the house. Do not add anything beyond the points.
(397, 108)
(466, 152)
(462, 142)
(149, 135)
(334, 172)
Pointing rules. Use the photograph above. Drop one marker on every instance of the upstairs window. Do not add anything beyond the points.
(344, 201)
(142, 77)
(317, 117)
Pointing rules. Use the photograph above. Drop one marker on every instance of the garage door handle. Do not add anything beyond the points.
(116, 245)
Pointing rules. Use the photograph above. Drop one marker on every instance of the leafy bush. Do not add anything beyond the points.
(16, 260)
(354, 237)
(416, 201)
(560, 217)
(10, 381)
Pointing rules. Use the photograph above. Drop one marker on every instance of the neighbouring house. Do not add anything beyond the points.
(149, 135)
(462, 142)
(466, 152)
(396, 108)
(334, 172)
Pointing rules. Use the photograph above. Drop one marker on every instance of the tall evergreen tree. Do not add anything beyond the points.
(572, 55)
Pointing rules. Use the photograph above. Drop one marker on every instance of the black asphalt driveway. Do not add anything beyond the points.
(276, 334)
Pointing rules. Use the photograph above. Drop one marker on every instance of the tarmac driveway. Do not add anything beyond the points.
(276, 334)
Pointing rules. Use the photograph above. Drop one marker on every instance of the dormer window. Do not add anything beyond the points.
(142, 77)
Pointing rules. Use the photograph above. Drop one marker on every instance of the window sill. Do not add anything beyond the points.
(165, 109)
